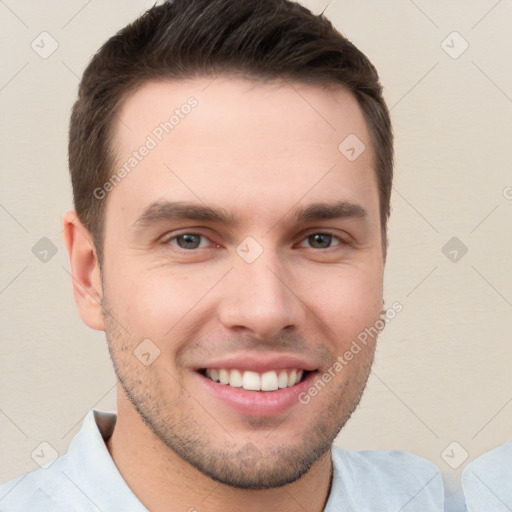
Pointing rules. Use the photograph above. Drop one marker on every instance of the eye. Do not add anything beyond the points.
(322, 240)
(188, 241)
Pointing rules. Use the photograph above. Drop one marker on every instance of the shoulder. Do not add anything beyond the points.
(35, 491)
(486, 480)
(497, 461)
(59, 486)
(389, 462)
(389, 479)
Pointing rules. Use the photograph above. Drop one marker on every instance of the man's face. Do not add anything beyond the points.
(263, 296)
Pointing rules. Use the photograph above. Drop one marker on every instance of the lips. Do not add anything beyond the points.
(256, 384)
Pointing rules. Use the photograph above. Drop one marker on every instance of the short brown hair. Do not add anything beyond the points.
(264, 39)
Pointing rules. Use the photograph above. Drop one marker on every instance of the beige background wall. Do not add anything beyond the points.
(442, 370)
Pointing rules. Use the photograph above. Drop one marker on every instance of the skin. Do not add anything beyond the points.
(257, 151)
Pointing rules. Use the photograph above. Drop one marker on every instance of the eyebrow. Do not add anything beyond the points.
(162, 211)
(327, 211)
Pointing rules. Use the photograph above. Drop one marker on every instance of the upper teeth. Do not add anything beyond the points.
(253, 381)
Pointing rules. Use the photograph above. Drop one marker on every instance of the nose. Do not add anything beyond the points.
(261, 299)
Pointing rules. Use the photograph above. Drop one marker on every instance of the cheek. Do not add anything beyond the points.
(348, 302)
(157, 304)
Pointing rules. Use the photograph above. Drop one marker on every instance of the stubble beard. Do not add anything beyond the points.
(232, 462)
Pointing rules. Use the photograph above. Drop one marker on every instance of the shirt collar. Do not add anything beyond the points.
(90, 466)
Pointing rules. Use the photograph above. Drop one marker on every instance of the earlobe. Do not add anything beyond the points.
(85, 271)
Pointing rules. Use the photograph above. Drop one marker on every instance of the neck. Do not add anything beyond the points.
(162, 480)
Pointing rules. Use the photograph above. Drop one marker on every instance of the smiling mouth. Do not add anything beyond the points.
(254, 381)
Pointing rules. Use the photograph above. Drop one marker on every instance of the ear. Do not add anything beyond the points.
(85, 271)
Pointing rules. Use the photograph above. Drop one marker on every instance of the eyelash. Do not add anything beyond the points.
(342, 242)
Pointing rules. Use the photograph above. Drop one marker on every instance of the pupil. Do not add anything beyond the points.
(322, 240)
(188, 241)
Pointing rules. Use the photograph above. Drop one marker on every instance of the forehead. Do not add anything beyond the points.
(255, 110)
(233, 141)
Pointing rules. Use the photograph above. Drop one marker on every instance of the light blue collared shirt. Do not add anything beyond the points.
(86, 479)
(487, 481)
